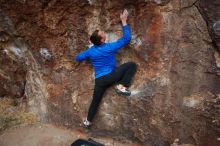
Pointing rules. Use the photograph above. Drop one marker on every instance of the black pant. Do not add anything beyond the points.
(122, 75)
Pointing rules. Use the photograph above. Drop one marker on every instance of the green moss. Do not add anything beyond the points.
(12, 114)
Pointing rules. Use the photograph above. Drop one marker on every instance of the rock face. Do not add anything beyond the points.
(210, 12)
(174, 95)
(12, 71)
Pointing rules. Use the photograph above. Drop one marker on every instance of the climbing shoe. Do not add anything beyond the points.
(122, 90)
(86, 123)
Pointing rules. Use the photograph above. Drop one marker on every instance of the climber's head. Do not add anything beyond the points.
(98, 37)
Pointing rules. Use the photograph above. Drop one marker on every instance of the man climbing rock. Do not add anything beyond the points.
(102, 57)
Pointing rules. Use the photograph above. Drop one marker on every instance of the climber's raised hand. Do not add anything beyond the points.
(124, 17)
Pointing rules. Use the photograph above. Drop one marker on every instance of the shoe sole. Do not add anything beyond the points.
(122, 93)
(86, 127)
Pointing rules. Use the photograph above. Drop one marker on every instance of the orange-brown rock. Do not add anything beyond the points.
(174, 94)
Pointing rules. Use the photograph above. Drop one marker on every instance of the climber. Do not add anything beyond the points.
(102, 57)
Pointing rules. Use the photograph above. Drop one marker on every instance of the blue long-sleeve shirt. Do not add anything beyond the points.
(102, 57)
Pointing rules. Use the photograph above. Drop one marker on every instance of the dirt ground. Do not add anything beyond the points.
(48, 135)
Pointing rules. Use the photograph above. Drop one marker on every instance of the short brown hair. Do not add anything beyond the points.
(95, 38)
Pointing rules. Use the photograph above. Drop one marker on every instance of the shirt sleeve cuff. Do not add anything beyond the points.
(125, 26)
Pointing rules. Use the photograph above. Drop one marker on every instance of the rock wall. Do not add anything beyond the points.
(12, 71)
(209, 10)
(174, 95)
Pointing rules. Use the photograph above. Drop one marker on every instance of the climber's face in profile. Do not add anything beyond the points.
(102, 35)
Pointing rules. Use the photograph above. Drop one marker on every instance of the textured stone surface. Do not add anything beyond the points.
(210, 12)
(12, 70)
(174, 94)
